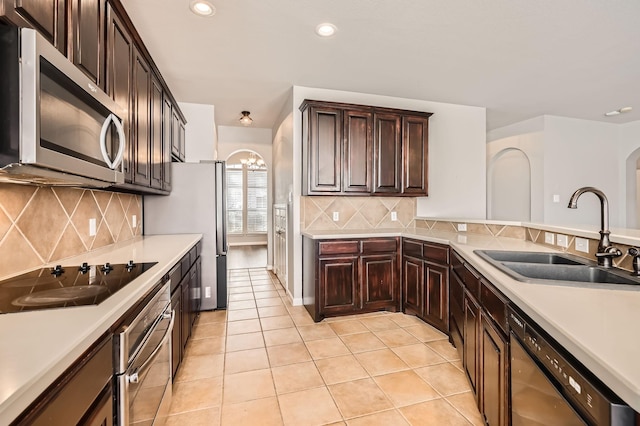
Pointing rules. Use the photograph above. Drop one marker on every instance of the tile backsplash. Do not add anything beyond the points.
(356, 212)
(44, 224)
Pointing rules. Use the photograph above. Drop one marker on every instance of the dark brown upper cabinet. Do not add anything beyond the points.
(156, 133)
(387, 154)
(46, 16)
(119, 60)
(363, 150)
(141, 146)
(87, 38)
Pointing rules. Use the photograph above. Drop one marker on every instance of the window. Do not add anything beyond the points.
(246, 199)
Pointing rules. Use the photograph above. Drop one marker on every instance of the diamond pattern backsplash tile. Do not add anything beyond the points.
(356, 212)
(39, 225)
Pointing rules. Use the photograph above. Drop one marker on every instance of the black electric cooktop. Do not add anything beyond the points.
(66, 286)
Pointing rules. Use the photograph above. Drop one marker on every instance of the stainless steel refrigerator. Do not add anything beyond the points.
(196, 205)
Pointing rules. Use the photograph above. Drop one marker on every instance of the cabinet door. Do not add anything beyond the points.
(471, 330)
(338, 285)
(413, 285)
(176, 340)
(387, 154)
(141, 121)
(166, 144)
(379, 281)
(357, 151)
(175, 134)
(493, 374)
(194, 283)
(156, 133)
(415, 159)
(46, 16)
(86, 38)
(119, 58)
(182, 140)
(324, 159)
(101, 414)
(185, 333)
(436, 305)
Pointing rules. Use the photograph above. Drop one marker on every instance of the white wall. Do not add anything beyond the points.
(232, 139)
(283, 163)
(628, 155)
(567, 154)
(200, 132)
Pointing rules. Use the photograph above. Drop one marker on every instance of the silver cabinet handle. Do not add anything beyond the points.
(103, 141)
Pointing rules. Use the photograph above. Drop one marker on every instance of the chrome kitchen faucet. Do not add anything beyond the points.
(606, 252)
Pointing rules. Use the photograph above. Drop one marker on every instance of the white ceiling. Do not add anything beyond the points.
(517, 58)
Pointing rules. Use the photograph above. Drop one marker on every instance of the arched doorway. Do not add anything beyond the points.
(509, 186)
(247, 209)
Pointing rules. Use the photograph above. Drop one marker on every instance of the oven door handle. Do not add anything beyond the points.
(135, 376)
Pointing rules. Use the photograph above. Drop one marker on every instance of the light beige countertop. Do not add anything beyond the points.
(38, 346)
(598, 326)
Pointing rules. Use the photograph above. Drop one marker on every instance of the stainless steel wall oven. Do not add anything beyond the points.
(142, 354)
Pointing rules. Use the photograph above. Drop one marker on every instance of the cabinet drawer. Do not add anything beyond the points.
(379, 246)
(412, 248)
(175, 275)
(338, 247)
(457, 264)
(495, 304)
(185, 264)
(193, 254)
(436, 253)
(457, 290)
(471, 281)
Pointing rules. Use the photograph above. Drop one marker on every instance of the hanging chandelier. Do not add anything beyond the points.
(253, 162)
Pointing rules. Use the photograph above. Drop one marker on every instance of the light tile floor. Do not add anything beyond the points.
(265, 362)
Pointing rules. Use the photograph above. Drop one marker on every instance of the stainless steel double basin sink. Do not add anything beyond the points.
(541, 267)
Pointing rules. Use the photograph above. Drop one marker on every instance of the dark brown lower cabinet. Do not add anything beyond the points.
(494, 373)
(471, 343)
(380, 279)
(185, 322)
(338, 285)
(176, 340)
(436, 295)
(413, 285)
(343, 277)
(478, 330)
(425, 282)
(101, 414)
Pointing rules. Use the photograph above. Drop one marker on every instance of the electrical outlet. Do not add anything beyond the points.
(336, 216)
(582, 244)
(462, 227)
(92, 227)
(134, 221)
(556, 198)
(563, 240)
(549, 237)
(394, 216)
(462, 239)
(207, 292)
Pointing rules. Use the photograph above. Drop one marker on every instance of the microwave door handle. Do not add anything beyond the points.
(103, 141)
(135, 376)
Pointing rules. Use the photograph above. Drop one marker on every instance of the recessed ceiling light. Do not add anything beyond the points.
(202, 8)
(326, 30)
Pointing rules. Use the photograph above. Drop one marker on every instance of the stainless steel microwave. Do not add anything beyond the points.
(56, 126)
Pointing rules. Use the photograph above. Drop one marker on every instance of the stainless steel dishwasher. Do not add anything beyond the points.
(142, 354)
(549, 387)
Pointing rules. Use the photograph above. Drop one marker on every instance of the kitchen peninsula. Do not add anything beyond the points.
(588, 321)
